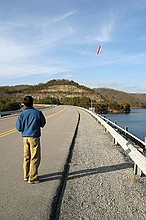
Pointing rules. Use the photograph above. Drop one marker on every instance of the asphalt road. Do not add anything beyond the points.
(18, 199)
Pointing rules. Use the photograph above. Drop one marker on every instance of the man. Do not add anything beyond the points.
(29, 123)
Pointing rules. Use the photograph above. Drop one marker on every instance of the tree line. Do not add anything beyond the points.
(104, 107)
(11, 96)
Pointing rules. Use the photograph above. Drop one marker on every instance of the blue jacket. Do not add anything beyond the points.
(30, 121)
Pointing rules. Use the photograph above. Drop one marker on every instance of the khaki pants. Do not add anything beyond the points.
(32, 156)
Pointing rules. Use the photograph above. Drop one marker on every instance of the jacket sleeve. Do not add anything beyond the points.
(18, 124)
(43, 120)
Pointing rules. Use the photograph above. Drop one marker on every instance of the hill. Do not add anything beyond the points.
(52, 92)
(70, 93)
(60, 90)
(135, 100)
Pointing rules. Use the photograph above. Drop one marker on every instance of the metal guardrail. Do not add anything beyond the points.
(40, 106)
(125, 133)
(137, 157)
(6, 113)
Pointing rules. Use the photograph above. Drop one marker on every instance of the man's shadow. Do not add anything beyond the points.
(85, 172)
(51, 176)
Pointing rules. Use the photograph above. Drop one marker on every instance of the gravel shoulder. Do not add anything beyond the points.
(100, 184)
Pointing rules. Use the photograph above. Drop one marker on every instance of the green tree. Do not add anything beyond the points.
(126, 108)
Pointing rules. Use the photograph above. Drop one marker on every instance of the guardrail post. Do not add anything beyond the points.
(126, 129)
(145, 146)
(115, 142)
(137, 170)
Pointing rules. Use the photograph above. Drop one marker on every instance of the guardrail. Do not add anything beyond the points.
(137, 157)
(126, 134)
(39, 106)
(6, 113)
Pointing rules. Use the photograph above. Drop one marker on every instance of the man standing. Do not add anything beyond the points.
(29, 123)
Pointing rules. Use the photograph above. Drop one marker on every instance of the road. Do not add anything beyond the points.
(20, 200)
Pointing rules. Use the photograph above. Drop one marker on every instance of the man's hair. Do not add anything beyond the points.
(28, 101)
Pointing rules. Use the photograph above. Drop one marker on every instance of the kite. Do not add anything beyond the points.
(99, 50)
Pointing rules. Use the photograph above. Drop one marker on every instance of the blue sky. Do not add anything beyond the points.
(42, 40)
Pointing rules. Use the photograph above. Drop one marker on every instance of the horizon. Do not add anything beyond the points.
(75, 82)
(45, 40)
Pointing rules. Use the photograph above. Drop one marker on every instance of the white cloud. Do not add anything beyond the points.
(22, 45)
(104, 83)
(11, 51)
(21, 70)
(67, 76)
(130, 59)
(103, 33)
(115, 85)
(63, 17)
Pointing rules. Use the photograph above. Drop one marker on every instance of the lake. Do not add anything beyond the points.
(135, 120)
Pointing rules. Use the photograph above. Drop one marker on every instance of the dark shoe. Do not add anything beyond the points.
(39, 180)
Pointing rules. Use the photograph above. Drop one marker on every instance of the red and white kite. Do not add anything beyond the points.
(99, 49)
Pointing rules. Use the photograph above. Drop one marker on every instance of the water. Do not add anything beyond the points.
(135, 120)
